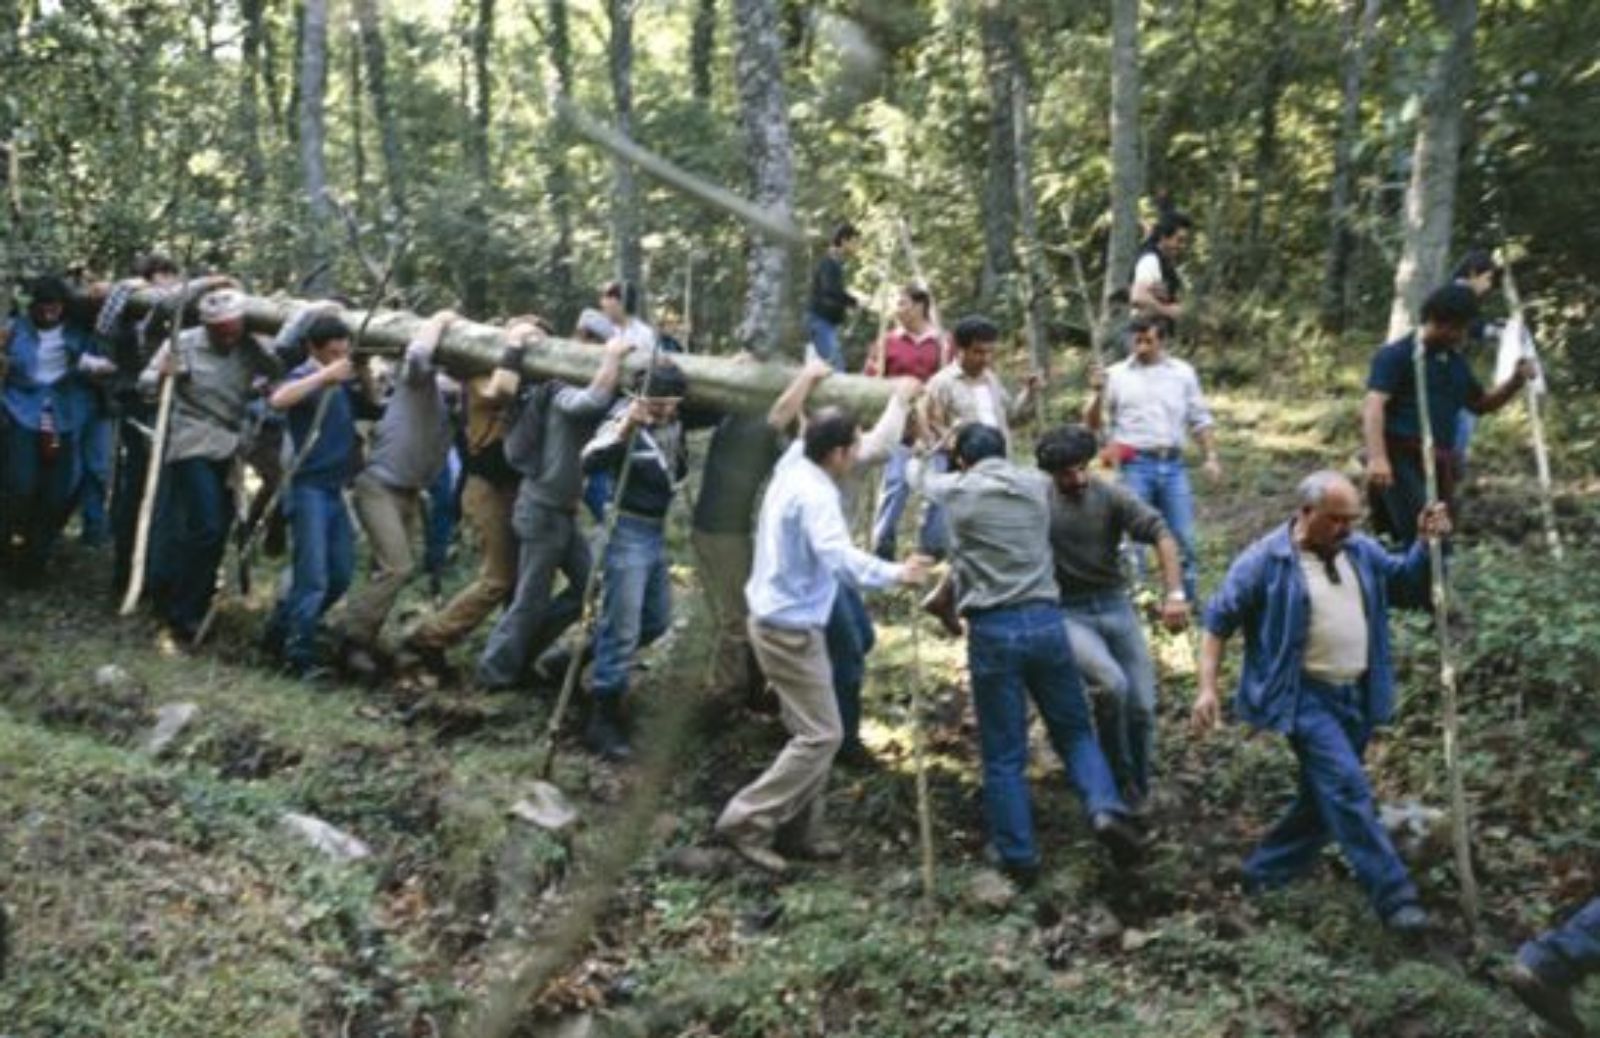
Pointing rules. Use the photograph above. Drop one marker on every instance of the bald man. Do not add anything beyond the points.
(1312, 598)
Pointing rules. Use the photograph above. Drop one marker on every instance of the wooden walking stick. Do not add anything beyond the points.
(1461, 821)
(158, 450)
(919, 760)
(1541, 454)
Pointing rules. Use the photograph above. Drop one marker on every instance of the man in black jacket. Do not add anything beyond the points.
(830, 301)
(644, 439)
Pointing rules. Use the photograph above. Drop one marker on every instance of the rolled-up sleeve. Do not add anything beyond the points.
(1196, 411)
(830, 540)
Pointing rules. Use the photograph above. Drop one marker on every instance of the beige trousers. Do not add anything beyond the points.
(487, 509)
(791, 790)
(390, 517)
(725, 560)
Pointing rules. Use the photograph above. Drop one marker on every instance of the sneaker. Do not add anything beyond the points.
(605, 734)
(1114, 832)
(1407, 920)
(1552, 1003)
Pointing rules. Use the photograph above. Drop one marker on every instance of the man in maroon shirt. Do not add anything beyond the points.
(916, 347)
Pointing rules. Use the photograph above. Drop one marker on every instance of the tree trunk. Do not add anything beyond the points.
(1028, 219)
(624, 184)
(475, 284)
(1272, 84)
(291, 113)
(468, 348)
(769, 318)
(1360, 20)
(313, 131)
(558, 174)
(255, 166)
(358, 120)
(1431, 194)
(702, 48)
(1001, 55)
(377, 64)
(1127, 168)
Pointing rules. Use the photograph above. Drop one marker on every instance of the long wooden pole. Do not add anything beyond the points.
(1461, 820)
(1541, 453)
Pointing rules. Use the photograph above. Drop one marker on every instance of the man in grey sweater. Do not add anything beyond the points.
(409, 447)
(545, 519)
(1088, 520)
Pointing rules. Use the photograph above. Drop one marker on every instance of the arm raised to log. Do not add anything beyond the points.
(468, 348)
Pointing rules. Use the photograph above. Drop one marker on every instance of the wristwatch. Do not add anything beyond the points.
(1177, 596)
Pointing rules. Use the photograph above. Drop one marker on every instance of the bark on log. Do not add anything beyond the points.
(469, 348)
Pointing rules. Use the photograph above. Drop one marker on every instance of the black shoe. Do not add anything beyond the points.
(1552, 1003)
(1023, 875)
(856, 757)
(606, 734)
(1125, 843)
(1407, 921)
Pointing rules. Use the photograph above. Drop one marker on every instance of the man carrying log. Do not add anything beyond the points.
(1312, 599)
(215, 367)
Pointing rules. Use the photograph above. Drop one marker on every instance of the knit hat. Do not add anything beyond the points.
(225, 305)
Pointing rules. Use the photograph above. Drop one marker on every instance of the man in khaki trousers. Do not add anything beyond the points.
(803, 550)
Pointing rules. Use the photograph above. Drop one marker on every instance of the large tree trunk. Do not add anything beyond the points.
(313, 132)
(1272, 83)
(255, 166)
(1127, 168)
(702, 48)
(769, 316)
(558, 174)
(624, 183)
(468, 348)
(475, 286)
(358, 116)
(1028, 218)
(377, 64)
(1431, 194)
(1001, 56)
(1359, 19)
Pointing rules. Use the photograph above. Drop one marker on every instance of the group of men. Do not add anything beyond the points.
(1037, 576)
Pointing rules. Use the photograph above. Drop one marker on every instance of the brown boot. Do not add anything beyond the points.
(940, 603)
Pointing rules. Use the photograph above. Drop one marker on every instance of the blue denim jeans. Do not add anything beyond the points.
(440, 527)
(95, 489)
(850, 637)
(1329, 736)
(1466, 425)
(1013, 653)
(825, 340)
(597, 490)
(637, 604)
(35, 495)
(932, 538)
(1164, 486)
(1568, 953)
(193, 515)
(324, 562)
(548, 542)
(1109, 646)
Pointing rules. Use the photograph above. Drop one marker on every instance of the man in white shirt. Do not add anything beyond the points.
(1154, 403)
(803, 551)
(1156, 281)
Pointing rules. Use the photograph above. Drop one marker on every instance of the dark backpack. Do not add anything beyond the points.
(524, 442)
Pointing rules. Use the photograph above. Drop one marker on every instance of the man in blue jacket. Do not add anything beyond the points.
(46, 366)
(1312, 598)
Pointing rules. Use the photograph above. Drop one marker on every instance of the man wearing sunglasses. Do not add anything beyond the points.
(1312, 598)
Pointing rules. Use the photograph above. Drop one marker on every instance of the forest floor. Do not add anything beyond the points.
(160, 894)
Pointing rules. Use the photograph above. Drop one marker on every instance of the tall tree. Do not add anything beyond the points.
(313, 137)
(558, 173)
(1431, 193)
(624, 182)
(1028, 220)
(702, 48)
(1127, 168)
(1359, 21)
(255, 166)
(769, 316)
(377, 63)
(475, 295)
(1002, 55)
(1273, 80)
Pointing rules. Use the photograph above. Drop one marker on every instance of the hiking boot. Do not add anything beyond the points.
(1024, 875)
(940, 604)
(1407, 921)
(759, 853)
(856, 757)
(430, 658)
(1126, 844)
(1552, 1003)
(606, 734)
(815, 848)
(360, 661)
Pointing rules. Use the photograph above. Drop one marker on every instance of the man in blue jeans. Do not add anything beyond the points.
(999, 518)
(830, 301)
(1550, 965)
(1312, 599)
(641, 444)
(1150, 404)
(1088, 520)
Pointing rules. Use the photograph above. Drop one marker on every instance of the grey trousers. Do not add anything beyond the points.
(548, 542)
